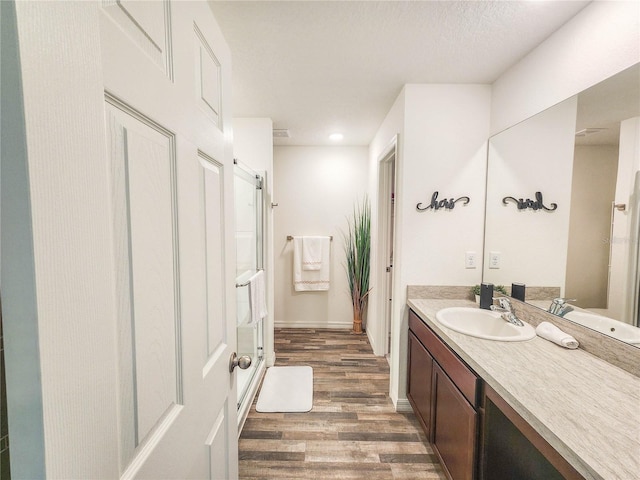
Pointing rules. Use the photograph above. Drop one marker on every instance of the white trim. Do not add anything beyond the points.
(403, 406)
(379, 333)
(303, 324)
(372, 339)
(270, 359)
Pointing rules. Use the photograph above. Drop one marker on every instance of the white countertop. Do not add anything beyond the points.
(586, 408)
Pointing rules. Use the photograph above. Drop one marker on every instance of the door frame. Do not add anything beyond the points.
(387, 184)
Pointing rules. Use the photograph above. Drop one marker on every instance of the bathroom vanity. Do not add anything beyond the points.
(530, 410)
(445, 394)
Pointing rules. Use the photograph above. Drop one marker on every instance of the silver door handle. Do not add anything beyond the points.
(243, 362)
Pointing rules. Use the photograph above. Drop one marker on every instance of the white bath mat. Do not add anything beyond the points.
(286, 389)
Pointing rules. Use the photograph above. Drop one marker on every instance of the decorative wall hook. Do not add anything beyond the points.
(447, 204)
(536, 204)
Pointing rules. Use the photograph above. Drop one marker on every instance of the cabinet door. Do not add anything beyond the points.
(512, 448)
(454, 428)
(419, 381)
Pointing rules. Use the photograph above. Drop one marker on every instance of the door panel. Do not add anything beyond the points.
(143, 172)
(130, 241)
(212, 173)
(148, 25)
(208, 76)
(180, 245)
(217, 441)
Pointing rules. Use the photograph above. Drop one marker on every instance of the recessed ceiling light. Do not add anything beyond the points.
(336, 137)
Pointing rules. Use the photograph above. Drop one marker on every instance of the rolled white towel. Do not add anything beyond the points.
(550, 332)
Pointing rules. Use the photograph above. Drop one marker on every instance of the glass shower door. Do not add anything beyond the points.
(249, 259)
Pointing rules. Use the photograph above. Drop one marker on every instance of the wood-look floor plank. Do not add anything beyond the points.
(352, 432)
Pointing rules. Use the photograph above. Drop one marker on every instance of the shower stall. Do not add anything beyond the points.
(249, 217)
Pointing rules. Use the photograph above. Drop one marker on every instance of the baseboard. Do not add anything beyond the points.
(337, 325)
(373, 343)
(403, 406)
(271, 359)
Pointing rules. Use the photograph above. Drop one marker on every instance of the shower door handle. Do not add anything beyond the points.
(243, 362)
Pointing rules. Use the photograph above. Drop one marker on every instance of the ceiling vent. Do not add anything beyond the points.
(589, 131)
(281, 133)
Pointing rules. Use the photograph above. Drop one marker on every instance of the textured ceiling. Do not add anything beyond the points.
(315, 67)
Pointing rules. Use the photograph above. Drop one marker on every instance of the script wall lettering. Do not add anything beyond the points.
(447, 204)
(536, 204)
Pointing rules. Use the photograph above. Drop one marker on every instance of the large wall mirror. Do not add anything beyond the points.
(563, 198)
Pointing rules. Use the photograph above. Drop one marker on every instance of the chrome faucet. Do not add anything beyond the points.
(506, 311)
(560, 306)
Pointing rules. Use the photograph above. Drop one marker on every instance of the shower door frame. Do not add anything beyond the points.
(245, 395)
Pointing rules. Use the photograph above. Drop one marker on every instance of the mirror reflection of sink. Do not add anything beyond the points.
(484, 324)
(608, 326)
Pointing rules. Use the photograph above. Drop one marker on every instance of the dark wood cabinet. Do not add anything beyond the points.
(511, 448)
(444, 394)
(419, 383)
(454, 429)
(474, 432)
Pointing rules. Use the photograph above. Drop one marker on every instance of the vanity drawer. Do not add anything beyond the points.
(464, 378)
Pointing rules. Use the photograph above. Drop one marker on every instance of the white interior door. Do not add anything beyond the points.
(166, 75)
(123, 228)
(386, 233)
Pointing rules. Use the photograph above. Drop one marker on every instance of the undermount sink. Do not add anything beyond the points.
(485, 324)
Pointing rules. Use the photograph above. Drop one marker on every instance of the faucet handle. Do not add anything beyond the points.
(562, 301)
(559, 305)
(504, 303)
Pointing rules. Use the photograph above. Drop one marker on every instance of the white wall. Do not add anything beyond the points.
(445, 150)
(253, 143)
(253, 147)
(392, 128)
(601, 40)
(535, 155)
(316, 189)
(442, 147)
(592, 191)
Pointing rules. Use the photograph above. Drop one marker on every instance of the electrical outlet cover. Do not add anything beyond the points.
(494, 260)
(470, 260)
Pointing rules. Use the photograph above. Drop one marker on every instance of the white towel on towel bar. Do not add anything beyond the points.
(312, 248)
(257, 301)
(311, 280)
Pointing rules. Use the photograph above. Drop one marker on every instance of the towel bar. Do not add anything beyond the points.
(290, 237)
(245, 284)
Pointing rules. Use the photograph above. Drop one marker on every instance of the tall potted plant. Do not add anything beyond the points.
(357, 247)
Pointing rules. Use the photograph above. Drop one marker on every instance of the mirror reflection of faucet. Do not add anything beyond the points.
(560, 306)
(504, 308)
